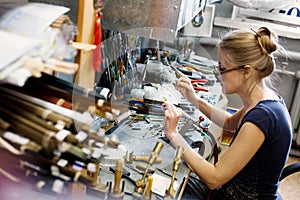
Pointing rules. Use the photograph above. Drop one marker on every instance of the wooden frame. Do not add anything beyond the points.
(85, 75)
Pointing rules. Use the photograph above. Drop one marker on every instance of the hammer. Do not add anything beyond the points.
(130, 157)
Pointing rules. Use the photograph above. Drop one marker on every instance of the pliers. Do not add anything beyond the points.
(195, 81)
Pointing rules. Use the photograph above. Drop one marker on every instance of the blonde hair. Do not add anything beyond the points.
(249, 47)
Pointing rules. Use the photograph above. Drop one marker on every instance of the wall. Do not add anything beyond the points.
(286, 84)
(73, 5)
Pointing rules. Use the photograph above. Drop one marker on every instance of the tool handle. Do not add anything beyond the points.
(201, 89)
(199, 80)
(146, 158)
(177, 72)
(149, 187)
(118, 176)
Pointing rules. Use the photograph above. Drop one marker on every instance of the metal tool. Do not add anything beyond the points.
(193, 81)
(149, 187)
(176, 165)
(130, 157)
(117, 193)
(141, 184)
(199, 145)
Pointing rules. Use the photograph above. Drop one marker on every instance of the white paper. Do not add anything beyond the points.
(161, 184)
(24, 32)
(13, 46)
(32, 18)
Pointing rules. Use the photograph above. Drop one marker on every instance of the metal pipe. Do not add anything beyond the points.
(287, 72)
(292, 55)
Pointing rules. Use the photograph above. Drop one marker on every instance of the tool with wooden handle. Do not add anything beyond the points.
(184, 184)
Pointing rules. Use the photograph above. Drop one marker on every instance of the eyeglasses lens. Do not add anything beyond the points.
(221, 67)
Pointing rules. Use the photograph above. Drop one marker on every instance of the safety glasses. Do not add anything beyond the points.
(220, 69)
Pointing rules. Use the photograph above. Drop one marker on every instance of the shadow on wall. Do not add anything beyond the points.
(6, 5)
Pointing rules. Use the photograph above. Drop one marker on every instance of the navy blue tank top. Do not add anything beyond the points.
(259, 179)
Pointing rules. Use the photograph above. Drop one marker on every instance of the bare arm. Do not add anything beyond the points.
(220, 117)
(246, 144)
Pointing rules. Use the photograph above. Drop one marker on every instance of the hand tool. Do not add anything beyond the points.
(195, 81)
(141, 184)
(125, 174)
(180, 74)
(199, 145)
(199, 80)
(177, 72)
(142, 168)
(176, 165)
(118, 175)
(130, 157)
(184, 184)
(117, 193)
(149, 187)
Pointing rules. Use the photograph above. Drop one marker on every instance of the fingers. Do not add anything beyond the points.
(183, 83)
(171, 110)
(164, 106)
(172, 116)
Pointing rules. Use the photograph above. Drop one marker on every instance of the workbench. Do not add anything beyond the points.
(141, 136)
(134, 136)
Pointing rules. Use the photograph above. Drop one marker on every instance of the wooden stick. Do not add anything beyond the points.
(39, 134)
(184, 184)
(38, 64)
(9, 147)
(82, 46)
(60, 66)
(37, 110)
(60, 63)
(4, 125)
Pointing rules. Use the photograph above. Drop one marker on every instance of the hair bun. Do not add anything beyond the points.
(267, 40)
(264, 31)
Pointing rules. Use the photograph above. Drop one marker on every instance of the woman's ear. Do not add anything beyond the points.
(247, 72)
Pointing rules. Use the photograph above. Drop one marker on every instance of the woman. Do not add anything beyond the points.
(252, 165)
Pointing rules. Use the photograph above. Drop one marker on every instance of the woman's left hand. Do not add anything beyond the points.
(172, 117)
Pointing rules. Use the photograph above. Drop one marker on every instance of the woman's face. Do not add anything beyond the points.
(229, 75)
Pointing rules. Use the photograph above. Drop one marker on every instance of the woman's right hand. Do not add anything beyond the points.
(186, 88)
(172, 117)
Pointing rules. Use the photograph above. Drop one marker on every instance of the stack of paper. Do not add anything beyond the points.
(22, 33)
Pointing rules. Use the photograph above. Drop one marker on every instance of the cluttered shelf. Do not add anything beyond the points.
(33, 44)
